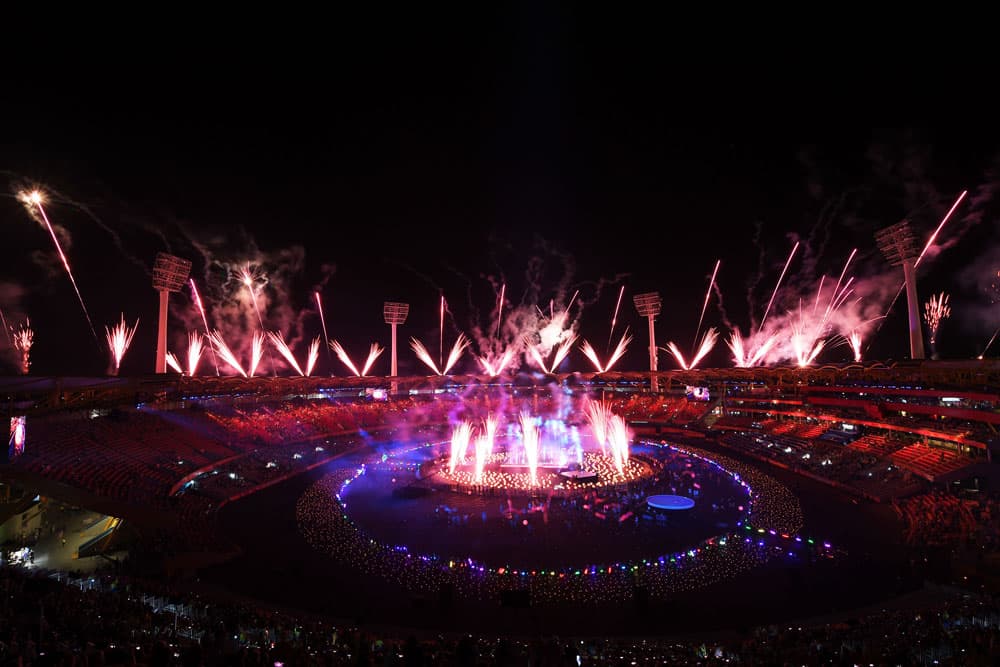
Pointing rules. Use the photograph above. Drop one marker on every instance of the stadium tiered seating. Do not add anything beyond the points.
(929, 462)
(876, 444)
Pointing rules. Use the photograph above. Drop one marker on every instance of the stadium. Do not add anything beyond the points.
(827, 493)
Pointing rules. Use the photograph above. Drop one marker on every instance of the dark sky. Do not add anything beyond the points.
(423, 158)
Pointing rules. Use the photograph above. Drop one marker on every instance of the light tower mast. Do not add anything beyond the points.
(897, 244)
(649, 305)
(169, 275)
(395, 313)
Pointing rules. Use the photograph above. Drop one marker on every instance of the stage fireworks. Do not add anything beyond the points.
(279, 342)
(456, 352)
(598, 414)
(460, 437)
(618, 442)
(935, 310)
(707, 343)
(312, 356)
(195, 347)
(256, 351)
(535, 352)
(591, 353)
(119, 338)
(854, 340)
(530, 440)
(24, 338)
(748, 353)
(225, 353)
(35, 199)
(173, 363)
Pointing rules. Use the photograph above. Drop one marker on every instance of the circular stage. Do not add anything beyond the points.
(669, 502)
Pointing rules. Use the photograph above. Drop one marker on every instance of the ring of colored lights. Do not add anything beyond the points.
(663, 502)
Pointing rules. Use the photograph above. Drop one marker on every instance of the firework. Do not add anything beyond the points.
(591, 354)
(614, 316)
(562, 350)
(855, 342)
(441, 340)
(373, 353)
(460, 437)
(279, 342)
(256, 351)
(935, 310)
(930, 241)
(312, 356)
(618, 441)
(992, 338)
(503, 288)
(708, 293)
(35, 199)
(707, 343)
(3, 325)
(456, 352)
(119, 338)
(173, 363)
(24, 338)
(598, 414)
(195, 347)
(530, 440)
(778, 284)
(806, 343)
(204, 320)
(746, 356)
(227, 355)
(495, 367)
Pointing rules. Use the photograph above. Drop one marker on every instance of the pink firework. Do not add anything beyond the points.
(312, 356)
(806, 344)
(618, 442)
(494, 367)
(256, 351)
(225, 353)
(204, 319)
(935, 310)
(778, 284)
(195, 348)
(598, 413)
(707, 343)
(24, 338)
(746, 356)
(535, 352)
(589, 352)
(35, 199)
(614, 316)
(456, 352)
(708, 293)
(173, 363)
(279, 343)
(530, 440)
(460, 437)
(854, 340)
(373, 353)
(119, 338)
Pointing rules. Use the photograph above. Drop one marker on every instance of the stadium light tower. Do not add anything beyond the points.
(897, 244)
(649, 305)
(395, 313)
(169, 275)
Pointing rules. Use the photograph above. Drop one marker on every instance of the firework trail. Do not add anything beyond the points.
(322, 320)
(279, 342)
(992, 338)
(256, 351)
(494, 368)
(204, 320)
(855, 342)
(830, 306)
(24, 338)
(503, 288)
(591, 354)
(313, 356)
(777, 285)
(248, 277)
(598, 414)
(119, 338)
(35, 199)
(456, 351)
(708, 293)
(935, 310)
(173, 363)
(707, 343)
(482, 456)
(227, 355)
(490, 425)
(530, 440)
(460, 437)
(441, 343)
(614, 316)
(6, 331)
(195, 348)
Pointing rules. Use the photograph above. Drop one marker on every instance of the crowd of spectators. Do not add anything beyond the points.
(945, 518)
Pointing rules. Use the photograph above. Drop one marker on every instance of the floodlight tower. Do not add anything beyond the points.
(649, 305)
(897, 244)
(395, 313)
(169, 275)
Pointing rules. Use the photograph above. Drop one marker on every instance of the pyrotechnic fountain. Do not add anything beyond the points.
(935, 310)
(456, 351)
(119, 338)
(24, 338)
(373, 353)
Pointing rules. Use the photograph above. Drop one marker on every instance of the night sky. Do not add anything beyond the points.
(411, 163)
